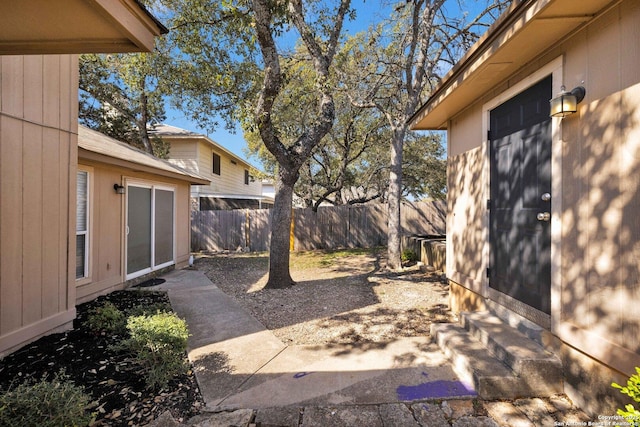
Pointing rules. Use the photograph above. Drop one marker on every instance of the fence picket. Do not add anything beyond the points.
(332, 227)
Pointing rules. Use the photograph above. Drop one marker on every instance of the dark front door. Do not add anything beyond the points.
(520, 205)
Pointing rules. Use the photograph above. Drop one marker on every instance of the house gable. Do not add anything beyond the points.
(227, 172)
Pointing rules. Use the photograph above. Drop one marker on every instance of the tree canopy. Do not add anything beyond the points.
(403, 59)
(326, 113)
(122, 96)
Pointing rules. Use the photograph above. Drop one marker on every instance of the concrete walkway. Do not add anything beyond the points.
(248, 377)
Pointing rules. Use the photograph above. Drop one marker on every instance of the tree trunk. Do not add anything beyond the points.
(142, 124)
(394, 261)
(291, 158)
(279, 275)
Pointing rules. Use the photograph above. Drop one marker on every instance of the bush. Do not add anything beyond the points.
(46, 403)
(630, 413)
(159, 343)
(106, 318)
(409, 256)
(148, 310)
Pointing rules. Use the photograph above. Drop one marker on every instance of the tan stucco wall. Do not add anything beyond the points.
(38, 140)
(597, 293)
(466, 213)
(466, 130)
(107, 219)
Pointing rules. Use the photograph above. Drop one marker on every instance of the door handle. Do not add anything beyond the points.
(543, 216)
(545, 197)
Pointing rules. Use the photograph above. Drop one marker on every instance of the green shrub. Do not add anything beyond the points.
(630, 413)
(54, 403)
(106, 318)
(159, 343)
(148, 310)
(409, 256)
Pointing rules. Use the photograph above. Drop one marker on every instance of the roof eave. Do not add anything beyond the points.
(528, 28)
(77, 26)
(88, 155)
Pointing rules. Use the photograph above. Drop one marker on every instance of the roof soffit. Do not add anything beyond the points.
(519, 36)
(76, 26)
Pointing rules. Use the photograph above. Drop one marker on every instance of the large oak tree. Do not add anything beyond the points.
(321, 49)
(404, 58)
(123, 96)
(233, 67)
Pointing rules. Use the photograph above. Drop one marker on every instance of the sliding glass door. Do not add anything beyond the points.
(150, 228)
(163, 231)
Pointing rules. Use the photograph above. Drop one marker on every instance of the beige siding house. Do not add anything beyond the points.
(133, 214)
(233, 184)
(39, 151)
(543, 211)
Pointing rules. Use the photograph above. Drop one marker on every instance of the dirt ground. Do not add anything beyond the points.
(345, 297)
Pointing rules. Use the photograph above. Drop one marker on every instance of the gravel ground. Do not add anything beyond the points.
(340, 297)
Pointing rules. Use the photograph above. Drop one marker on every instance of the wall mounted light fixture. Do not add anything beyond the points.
(119, 189)
(566, 102)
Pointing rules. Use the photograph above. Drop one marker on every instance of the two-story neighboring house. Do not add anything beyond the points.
(233, 183)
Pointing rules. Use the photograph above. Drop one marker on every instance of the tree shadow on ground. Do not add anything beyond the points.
(352, 303)
(360, 331)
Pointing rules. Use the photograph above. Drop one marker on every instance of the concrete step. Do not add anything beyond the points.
(524, 356)
(535, 332)
(500, 362)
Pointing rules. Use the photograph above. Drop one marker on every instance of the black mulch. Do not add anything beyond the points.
(111, 377)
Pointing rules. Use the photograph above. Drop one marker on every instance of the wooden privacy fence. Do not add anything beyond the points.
(332, 227)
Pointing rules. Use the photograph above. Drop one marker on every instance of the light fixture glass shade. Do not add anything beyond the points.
(564, 104)
(567, 102)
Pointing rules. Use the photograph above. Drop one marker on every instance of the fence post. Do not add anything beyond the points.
(292, 236)
(247, 230)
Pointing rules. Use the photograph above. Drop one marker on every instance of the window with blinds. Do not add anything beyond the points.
(82, 225)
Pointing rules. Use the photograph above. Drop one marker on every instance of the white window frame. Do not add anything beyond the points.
(88, 223)
(153, 186)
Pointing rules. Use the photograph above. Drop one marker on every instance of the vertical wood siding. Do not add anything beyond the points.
(38, 99)
(601, 193)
